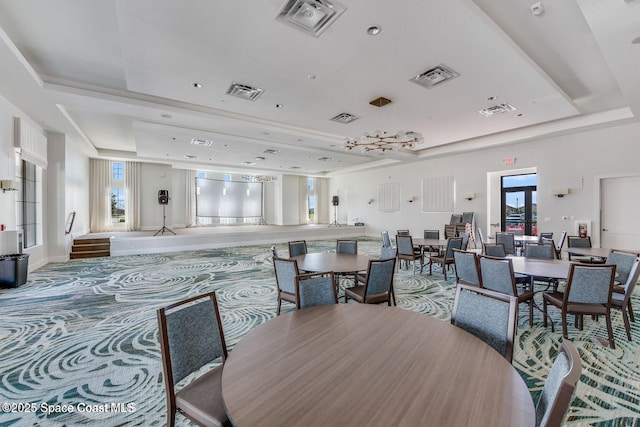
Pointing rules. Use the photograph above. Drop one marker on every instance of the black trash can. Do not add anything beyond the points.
(13, 270)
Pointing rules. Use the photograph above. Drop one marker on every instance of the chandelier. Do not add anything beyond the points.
(384, 141)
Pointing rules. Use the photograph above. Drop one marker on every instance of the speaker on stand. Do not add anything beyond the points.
(163, 199)
(335, 201)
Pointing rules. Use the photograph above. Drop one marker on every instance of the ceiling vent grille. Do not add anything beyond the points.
(344, 118)
(203, 142)
(312, 17)
(271, 151)
(435, 76)
(497, 109)
(243, 91)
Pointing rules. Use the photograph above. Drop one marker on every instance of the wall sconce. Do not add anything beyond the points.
(411, 199)
(370, 201)
(10, 185)
(560, 192)
(469, 196)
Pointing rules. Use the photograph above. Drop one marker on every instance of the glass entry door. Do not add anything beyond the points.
(519, 204)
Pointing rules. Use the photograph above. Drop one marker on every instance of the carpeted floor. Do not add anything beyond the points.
(83, 335)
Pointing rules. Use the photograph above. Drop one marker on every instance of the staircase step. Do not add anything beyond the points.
(91, 247)
(89, 254)
(93, 241)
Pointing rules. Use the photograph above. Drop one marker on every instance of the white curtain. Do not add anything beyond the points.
(100, 195)
(322, 201)
(190, 198)
(132, 171)
(303, 206)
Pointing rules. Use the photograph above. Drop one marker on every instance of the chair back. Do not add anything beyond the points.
(465, 240)
(539, 251)
(403, 233)
(543, 236)
(559, 387)
(386, 240)
(388, 252)
(449, 231)
(488, 315)
(497, 274)
(346, 246)
(563, 237)
(467, 268)
(594, 284)
(315, 289)
(379, 276)
(286, 271)
(404, 244)
(494, 250)
(623, 261)
(578, 242)
(298, 247)
(191, 337)
(632, 279)
(432, 234)
(509, 242)
(481, 236)
(452, 243)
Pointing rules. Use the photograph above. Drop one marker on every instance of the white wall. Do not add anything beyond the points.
(576, 161)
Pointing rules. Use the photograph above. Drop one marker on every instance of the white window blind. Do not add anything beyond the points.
(438, 194)
(389, 197)
(31, 144)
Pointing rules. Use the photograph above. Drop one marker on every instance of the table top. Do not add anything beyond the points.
(429, 242)
(554, 268)
(331, 261)
(367, 365)
(594, 252)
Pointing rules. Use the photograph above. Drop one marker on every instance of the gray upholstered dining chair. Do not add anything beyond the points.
(497, 275)
(386, 240)
(314, 289)
(406, 252)
(191, 337)
(378, 284)
(494, 250)
(582, 242)
(488, 315)
(541, 251)
(385, 253)
(544, 237)
(508, 240)
(622, 300)
(465, 240)
(446, 259)
(344, 246)
(588, 291)
(286, 271)
(431, 234)
(467, 268)
(558, 390)
(297, 247)
(623, 261)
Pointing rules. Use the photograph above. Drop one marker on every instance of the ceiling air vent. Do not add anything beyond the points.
(435, 76)
(312, 17)
(497, 109)
(205, 142)
(344, 118)
(243, 91)
(271, 151)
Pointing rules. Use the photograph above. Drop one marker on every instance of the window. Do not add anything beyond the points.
(29, 203)
(118, 212)
(311, 201)
(519, 204)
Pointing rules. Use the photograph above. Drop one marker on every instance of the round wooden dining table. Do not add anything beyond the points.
(367, 365)
(331, 261)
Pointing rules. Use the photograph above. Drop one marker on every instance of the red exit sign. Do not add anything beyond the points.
(510, 161)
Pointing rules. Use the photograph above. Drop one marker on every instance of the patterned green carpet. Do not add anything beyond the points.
(83, 335)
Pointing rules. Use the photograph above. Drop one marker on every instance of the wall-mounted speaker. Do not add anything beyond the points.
(163, 197)
(335, 200)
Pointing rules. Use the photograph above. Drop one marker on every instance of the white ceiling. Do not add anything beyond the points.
(119, 74)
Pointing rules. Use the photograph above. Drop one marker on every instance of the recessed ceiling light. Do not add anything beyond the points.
(374, 30)
(299, 139)
(325, 159)
(190, 157)
(166, 116)
(519, 114)
(279, 105)
(311, 77)
(491, 98)
(248, 163)
(259, 158)
(197, 85)
(271, 151)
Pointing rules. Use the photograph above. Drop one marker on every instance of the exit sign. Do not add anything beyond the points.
(510, 161)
